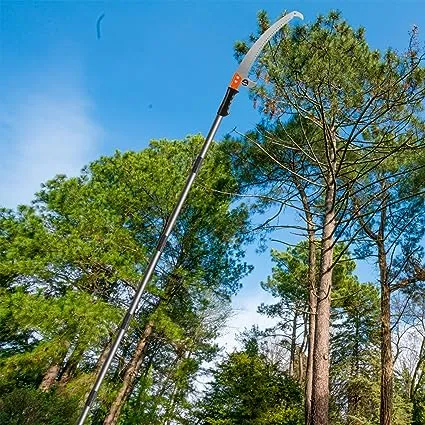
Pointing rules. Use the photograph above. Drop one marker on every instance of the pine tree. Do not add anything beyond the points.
(67, 288)
(366, 108)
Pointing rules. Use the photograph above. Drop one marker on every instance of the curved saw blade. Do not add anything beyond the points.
(241, 74)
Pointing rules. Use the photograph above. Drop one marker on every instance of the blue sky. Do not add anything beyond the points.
(158, 70)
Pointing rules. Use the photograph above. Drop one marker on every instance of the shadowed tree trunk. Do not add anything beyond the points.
(293, 345)
(49, 377)
(312, 303)
(320, 387)
(69, 369)
(378, 237)
(386, 349)
(129, 377)
(53, 371)
(312, 298)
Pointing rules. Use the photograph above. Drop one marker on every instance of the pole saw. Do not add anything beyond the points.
(240, 77)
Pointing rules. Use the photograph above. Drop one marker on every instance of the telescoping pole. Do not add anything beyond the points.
(240, 77)
(223, 111)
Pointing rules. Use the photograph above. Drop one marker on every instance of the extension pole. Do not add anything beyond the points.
(240, 77)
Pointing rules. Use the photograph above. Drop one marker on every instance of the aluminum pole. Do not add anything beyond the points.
(150, 269)
(240, 77)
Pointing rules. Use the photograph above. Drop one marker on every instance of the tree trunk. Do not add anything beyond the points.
(293, 345)
(102, 357)
(49, 377)
(417, 373)
(312, 301)
(300, 375)
(386, 349)
(386, 404)
(67, 372)
(52, 373)
(129, 377)
(320, 388)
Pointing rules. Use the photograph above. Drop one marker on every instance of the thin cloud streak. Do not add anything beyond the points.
(245, 316)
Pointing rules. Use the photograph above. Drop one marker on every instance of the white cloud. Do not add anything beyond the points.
(245, 306)
(44, 131)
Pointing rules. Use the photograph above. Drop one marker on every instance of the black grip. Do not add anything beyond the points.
(91, 397)
(223, 110)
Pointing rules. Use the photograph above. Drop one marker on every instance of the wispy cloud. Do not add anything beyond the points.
(45, 130)
(245, 316)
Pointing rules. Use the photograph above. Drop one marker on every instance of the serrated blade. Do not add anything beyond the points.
(241, 74)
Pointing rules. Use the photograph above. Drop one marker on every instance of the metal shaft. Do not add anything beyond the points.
(149, 270)
(239, 78)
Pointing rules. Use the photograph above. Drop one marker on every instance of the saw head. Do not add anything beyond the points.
(240, 77)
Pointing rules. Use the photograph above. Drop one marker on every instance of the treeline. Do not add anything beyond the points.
(70, 263)
(341, 142)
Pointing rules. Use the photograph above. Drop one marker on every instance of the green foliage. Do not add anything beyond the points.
(24, 245)
(249, 389)
(27, 406)
(418, 414)
(69, 263)
(53, 326)
(120, 204)
(289, 279)
(355, 329)
(355, 353)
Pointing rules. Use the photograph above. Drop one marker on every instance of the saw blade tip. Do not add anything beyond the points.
(298, 14)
